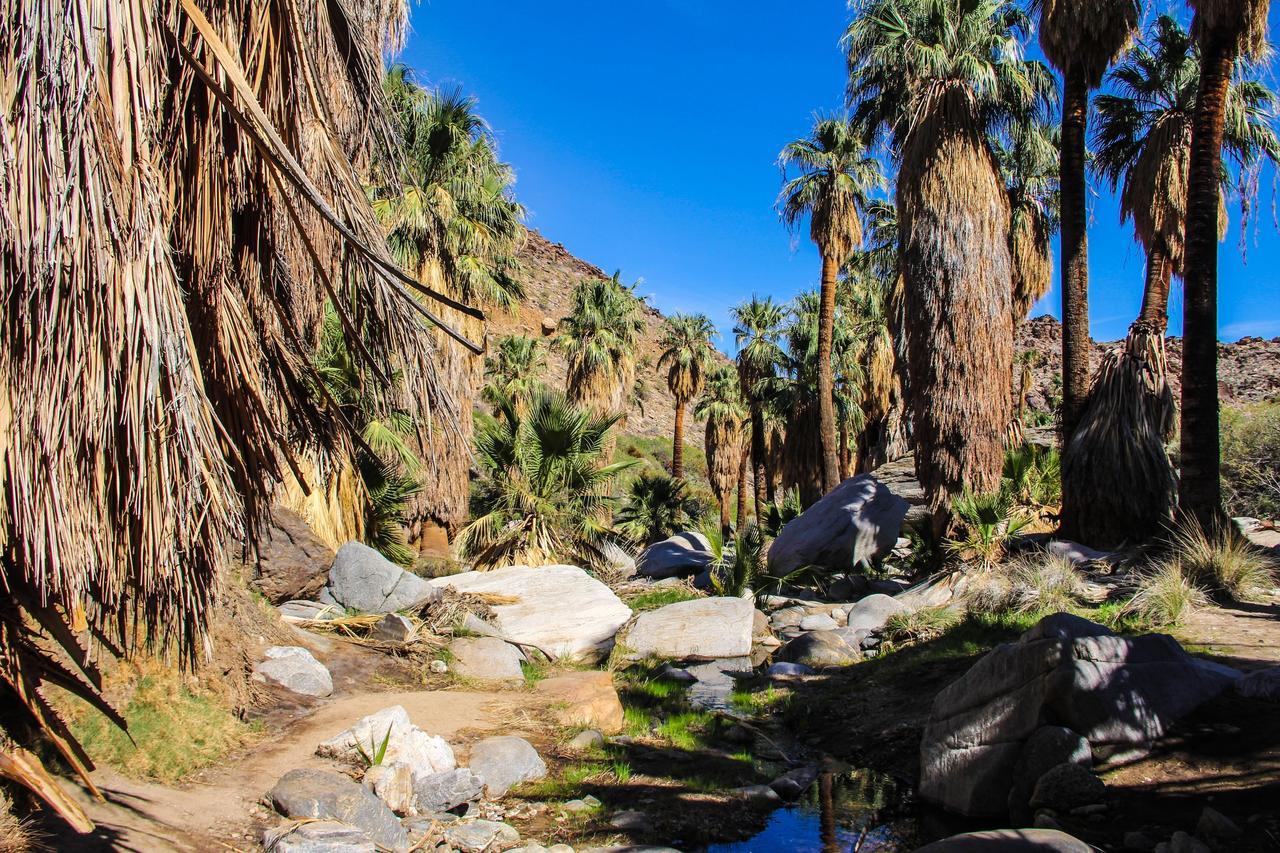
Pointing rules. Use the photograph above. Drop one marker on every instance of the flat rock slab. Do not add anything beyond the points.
(1009, 841)
(361, 579)
(486, 659)
(504, 762)
(856, 522)
(294, 668)
(701, 629)
(308, 611)
(685, 553)
(320, 836)
(406, 743)
(324, 795)
(560, 610)
(585, 698)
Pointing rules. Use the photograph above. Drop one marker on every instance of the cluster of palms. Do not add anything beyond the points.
(985, 169)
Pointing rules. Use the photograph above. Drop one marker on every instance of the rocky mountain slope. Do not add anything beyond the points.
(1248, 370)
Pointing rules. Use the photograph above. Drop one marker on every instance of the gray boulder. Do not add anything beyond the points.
(362, 579)
(857, 521)
(701, 629)
(1077, 554)
(320, 836)
(1048, 747)
(872, 612)
(1009, 841)
(819, 649)
(1066, 671)
(818, 622)
(440, 792)
(686, 553)
(292, 560)
(487, 659)
(1261, 684)
(305, 611)
(393, 628)
(324, 795)
(504, 762)
(786, 669)
(480, 836)
(1068, 786)
(296, 669)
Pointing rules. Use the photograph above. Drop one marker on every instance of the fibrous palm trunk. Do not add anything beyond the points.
(1075, 250)
(826, 375)
(677, 441)
(744, 472)
(759, 453)
(1199, 487)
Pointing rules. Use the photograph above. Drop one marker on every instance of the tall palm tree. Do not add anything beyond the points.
(544, 493)
(686, 354)
(599, 338)
(721, 407)
(1029, 161)
(1117, 462)
(513, 368)
(1226, 30)
(1081, 38)
(940, 78)
(836, 177)
(757, 328)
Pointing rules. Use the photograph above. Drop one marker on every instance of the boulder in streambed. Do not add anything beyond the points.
(872, 612)
(328, 836)
(406, 743)
(504, 762)
(857, 521)
(686, 553)
(1009, 841)
(701, 629)
(819, 650)
(328, 796)
(296, 669)
(440, 792)
(361, 579)
(559, 610)
(292, 561)
(586, 698)
(486, 659)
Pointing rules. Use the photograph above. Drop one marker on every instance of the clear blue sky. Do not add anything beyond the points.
(644, 138)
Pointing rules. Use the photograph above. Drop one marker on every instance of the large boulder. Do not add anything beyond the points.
(317, 836)
(329, 796)
(1065, 671)
(1009, 841)
(872, 612)
(701, 629)
(857, 521)
(586, 698)
(364, 580)
(406, 743)
(296, 669)
(559, 610)
(486, 659)
(504, 762)
(685, 553)
(292, 561)
(819, 649)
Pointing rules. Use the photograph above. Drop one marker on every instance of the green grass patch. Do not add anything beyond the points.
(655, 598)
(175, 731)
(686, 729)
(759, 702)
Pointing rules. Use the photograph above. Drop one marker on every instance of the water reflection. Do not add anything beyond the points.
(842, 812)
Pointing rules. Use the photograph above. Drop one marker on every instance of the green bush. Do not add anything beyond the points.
(1251, 459)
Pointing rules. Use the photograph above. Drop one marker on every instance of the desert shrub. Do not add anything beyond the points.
(1232, 565)
(1164, 595)
(1251, 459)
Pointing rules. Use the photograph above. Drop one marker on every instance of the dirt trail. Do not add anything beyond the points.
(1243, 635)
(219, 809)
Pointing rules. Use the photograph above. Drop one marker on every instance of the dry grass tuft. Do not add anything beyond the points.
(1233, 565)
(15, 833)
(1164, 595)
(1038, 584)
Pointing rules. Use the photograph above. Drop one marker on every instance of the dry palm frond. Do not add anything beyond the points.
(1245, 22)
(1087, 33)
(1032, 263)
(1115, 464)
(180, 189)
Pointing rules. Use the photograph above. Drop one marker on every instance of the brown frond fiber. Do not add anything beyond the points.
(1032, 264)
(1087, 33)
(181, 189)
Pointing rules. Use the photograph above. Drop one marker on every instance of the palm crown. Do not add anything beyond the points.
(686, 353)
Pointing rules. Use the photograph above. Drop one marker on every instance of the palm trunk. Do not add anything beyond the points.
(845, 461)
(677, 442)
(758, 452)
(1199, 488)
(826, 376)
(1076, 344)
(1154, 315)
(744, 472)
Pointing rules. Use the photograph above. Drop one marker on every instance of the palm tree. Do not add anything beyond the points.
(1029, 161)
(1227, 30)
(721, 407)
(160, 328)
(513, 369)
(756, 331)
(686, 353)
(657, 506)
(941, 78)
(836, 177)
(1121, 480)
(544, 494)
(1081, 38)
(599, 338)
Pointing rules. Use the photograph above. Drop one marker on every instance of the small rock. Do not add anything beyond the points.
(818, 622)
(481, 836)
(320, 836)
(631, 821)
(296, 669)
(1047, 747)
(1139, 841)
(819, 649)
(873, 612)
(440, 792)
(1045, 820)
(486, 659)
(1068, 786)
(393, 628)
(1185, 843)
(504, 762)
(675, 673)
(393, 784)
(576, 806)
(758, 792)
(784, 669)
(793, 783)
(439, 667)
(588, 739)
(1214, 824)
